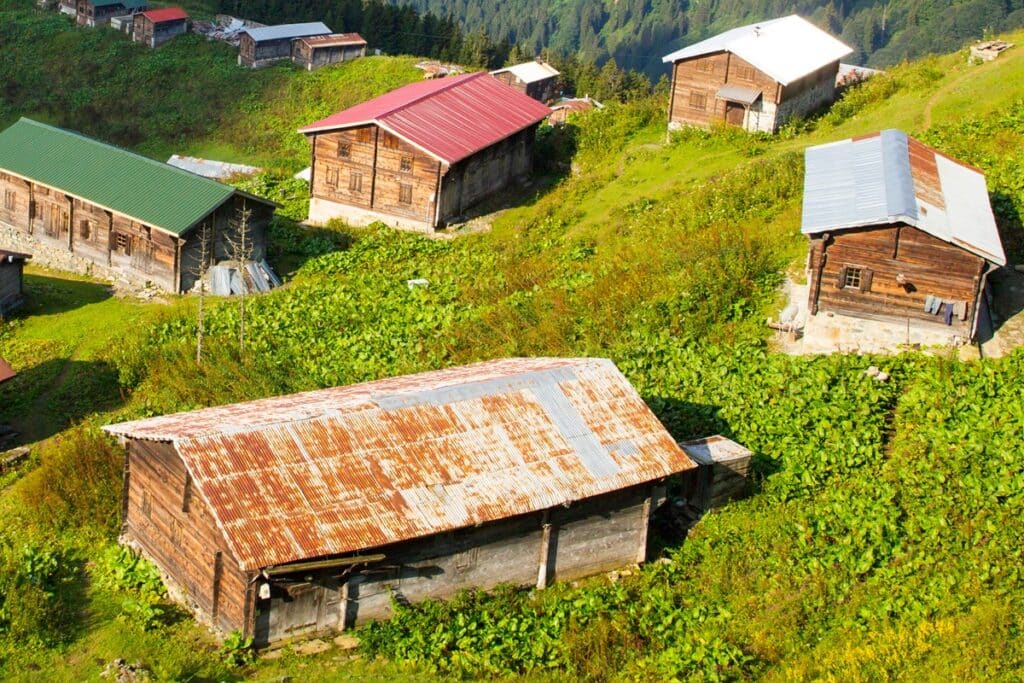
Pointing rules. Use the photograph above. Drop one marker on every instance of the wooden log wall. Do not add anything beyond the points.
(696, 81)
(168, 519)
(10, 285)
(588, 537)
(928, 265)
(485, 173)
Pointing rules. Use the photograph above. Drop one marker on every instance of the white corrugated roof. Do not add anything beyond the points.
(892, 178)
(314, 28)
(529, 72)
(786, 49)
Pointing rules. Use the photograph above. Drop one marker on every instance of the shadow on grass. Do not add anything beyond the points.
(48, 294)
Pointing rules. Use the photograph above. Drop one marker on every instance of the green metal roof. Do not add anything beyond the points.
(128, 4)
(149, 191)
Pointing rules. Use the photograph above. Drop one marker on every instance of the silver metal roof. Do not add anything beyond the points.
(314, 28)
(737, 93)
(890, 178)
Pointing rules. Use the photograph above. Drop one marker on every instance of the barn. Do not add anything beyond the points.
(82, 205)
(100, 12)
(317, 51)
(899, 233)
(756, 77)
(421, 155)
(538, 79)
(262, 46)
(12, 287)
(304, 513)
(156, 26)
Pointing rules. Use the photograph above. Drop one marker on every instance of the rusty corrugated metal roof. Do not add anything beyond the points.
(334, 40)
(6, 371)
(449, 118)
(351, 468)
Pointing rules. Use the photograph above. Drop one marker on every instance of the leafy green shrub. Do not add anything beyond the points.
(124, 570)
(237, 650)
(35, 605)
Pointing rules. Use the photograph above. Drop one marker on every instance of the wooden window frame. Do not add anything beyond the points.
(331, 178)
(746, 73)
(704, 65)
(355, 182)
(405, 165)
(856, 278)
(84, 229)
(122, 243)
(405, 193)
(344, 150)
(698, 100)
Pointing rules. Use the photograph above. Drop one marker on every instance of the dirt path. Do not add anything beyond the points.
(32, 427)
(942, 92)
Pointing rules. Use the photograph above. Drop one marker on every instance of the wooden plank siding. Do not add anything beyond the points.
(928, 265)
(696, 82)
(169, 521)
(11, 285)
(148, 33)
(117, 242)
(599, 534)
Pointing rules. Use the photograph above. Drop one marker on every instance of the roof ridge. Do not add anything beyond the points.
(455, 81)
(118, 148)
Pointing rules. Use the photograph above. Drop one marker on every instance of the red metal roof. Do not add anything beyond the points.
(362, 466)
(334, 40)
(6, 371)
(449, 118)
(165, 14)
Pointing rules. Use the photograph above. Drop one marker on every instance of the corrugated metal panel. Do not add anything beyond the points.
(737, 93)
(334, 40)
(890, 177)
(6, 371)
(357, 467)
(209, 168)
(315, 28)
(786, 49)
(153, 193)
(449, 118)
(165, 14)
(530, 72)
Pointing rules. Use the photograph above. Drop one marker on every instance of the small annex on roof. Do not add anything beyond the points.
(114, 211)
(536, 78)
(419, 156)
(519, 470)
(755, 76)
(899, 232)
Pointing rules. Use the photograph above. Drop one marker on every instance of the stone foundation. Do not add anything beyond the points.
(323, 210)
(832, 332)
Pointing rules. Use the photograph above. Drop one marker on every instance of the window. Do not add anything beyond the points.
(705, 65)
(406, 164)
(389, 141)
(84, 230)
(344, 150)
(855, 277)
(332, 177)
(355, 182)
(122, 243)
(10, 200)
(405, 193)
(364, 135)
(852, 278)
(745, 72)
(698, 100)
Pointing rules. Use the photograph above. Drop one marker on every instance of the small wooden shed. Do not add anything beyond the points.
(100, 12)
(538, 79)
(898, 232)
(267, 44)
(317, 51)
(421, 155)
(756, 77)
(305, 513)
(12, 287)
(156, 26)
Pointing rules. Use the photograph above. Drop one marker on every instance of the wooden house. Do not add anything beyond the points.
(565, 107)
(262, 46)
(898, 232)
(156, 26)
(316, 51)
(12, 287)
(100, 12)
(93, 207)
(538, 79)
(422, 154)
(305, 513)
(756, 77)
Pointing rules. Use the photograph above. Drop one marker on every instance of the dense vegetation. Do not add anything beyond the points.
(637, 33)
(884, 540)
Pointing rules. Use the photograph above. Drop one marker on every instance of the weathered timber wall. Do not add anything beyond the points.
(603, 533)
(168, 520)
(154, 35)
(10, 285)
(312, 57)
(929, 266)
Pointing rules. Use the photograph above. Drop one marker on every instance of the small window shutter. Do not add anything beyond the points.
(842, 278)
(865, 279)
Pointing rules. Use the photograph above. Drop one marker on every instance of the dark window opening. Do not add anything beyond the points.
(406, 164)
(344, 150)
(852, 278)
(84, 229)
(122, 243)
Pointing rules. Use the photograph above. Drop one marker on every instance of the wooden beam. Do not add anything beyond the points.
(645, 516)
(276, 570)
(545, 549)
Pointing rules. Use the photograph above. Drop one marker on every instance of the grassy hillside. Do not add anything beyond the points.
(884, 540)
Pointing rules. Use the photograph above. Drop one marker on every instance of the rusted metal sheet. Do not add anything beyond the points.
(350, 468)
(334, 40)
(449, 118)
(6, 371)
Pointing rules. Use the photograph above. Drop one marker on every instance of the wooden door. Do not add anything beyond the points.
(734, 114)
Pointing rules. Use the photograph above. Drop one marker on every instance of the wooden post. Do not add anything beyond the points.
(218, 571)
(645, 519)
(343, 607)
(373, 176)
(545, 547)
